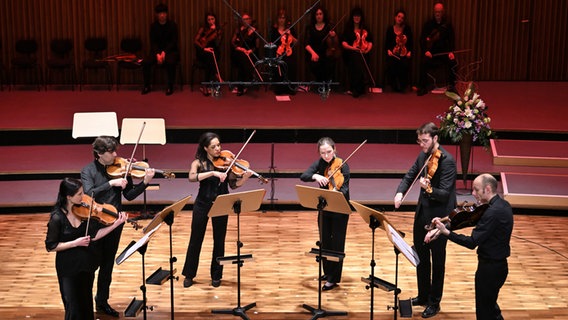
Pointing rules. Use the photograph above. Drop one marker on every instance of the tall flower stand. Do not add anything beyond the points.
(465, 146)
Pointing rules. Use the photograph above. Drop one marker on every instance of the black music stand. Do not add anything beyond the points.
(140, 246)
(167, 215)
(377, 219)
(320, 199)
(237, 202)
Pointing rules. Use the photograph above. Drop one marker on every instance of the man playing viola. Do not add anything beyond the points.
(435, 169)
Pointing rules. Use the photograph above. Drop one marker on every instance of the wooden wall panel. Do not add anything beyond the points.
(516, 39)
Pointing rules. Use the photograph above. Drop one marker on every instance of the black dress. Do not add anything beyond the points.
(75, 266)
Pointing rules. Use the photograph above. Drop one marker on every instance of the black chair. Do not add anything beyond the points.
(26, 61)
(94, 48)
(131, 46)
(61, 60)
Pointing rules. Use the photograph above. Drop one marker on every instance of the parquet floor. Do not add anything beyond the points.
(281, 277)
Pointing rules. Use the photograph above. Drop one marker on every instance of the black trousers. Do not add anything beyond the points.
(489, 278)
(169, 64)
(106, 249)
(323, 69)
(333, 229)
(397, 72)
(77, 295)
(432, 267)
(198, 228)
(429, 64)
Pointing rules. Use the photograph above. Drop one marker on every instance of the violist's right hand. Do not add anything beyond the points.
(321, 180)
(398, 200)
(221, 175)
(315, 57)
(428, 54)
(120, 182)
(82, 241)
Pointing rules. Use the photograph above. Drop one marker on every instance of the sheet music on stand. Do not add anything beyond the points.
(136, 245)
(397, 240)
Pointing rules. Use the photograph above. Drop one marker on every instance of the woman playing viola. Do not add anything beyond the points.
(287, 39)
(332, 226)
(211, 184)
(75, 260)
(357, 42)
(207, 47)
(245, 44)
(321, 65)
(398, 44)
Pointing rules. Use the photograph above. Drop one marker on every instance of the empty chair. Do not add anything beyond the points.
(129, 60)
(94, 49)
(25, 61)
(61, 60)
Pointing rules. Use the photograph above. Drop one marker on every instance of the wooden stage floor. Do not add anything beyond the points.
(281, 277)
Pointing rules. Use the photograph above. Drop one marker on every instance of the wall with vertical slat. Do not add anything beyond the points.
(514, 39)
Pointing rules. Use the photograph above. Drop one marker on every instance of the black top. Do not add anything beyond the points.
(211, 187)
(319, 167)
(95, 179)
(315, 38)
(242, 39)
(492, 233)
(74, 260)
(164, 37)
(443, 198)
(437, 37)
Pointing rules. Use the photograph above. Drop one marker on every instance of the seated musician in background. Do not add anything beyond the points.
(207, 43)
(398, 45)
(285, 50)
(332, 226)
(213, 181)
(109, 190)
(435, 169)
(322, 46)
(245, 44)
(71, 236)
(164, 49)
(491, 236)
(437, 43)
(357, 41)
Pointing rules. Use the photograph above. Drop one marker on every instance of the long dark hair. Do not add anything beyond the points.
(325, 16)
(204, 142)
(206, 24)
(350, 25)
(67, 187)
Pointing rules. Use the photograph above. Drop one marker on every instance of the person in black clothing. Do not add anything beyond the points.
(212, 183)
(164, 49)
(398, 44)
(75, 260)
(491, 236)
(437, 198)
(285, 50)
(357, 42)
(332, 226)
(437, 43)
(105, 189)
(322, 46)
(245, 44)
(207, 48)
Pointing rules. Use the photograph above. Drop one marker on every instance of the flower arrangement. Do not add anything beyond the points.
(467, 115)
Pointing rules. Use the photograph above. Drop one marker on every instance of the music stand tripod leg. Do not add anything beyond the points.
(319, 312)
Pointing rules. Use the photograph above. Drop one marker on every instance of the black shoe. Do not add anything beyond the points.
(240, 93)
(145, 90)
(187, 282)
(107, 309)
(169, 91)
(421, 92)
(328, 286)
(324, 277)
(216, 283)
(431, 311)
(418, 302)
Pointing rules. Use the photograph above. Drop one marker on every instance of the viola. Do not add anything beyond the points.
(361, 40)
(209, 36)
(333, 49)
(239, 166)
(137, 169)
(463, 216)
(285, 45)
(400, 48)
(432, 167)
(103, 213)
(334, 175)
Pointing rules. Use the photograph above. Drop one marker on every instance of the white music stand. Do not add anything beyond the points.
(237, 202)
(330, 200)
(154, 132)
(94, 124)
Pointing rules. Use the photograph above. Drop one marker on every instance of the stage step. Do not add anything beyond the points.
(530, 153)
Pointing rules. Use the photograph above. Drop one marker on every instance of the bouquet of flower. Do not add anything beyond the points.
(467, 115)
